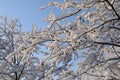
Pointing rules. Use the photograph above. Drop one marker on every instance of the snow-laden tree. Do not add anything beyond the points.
(19, 58)
(82, 43)
(85, 41)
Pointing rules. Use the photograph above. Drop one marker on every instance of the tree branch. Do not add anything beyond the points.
(65, 16)
(105, 61)
(107, 43)
(113, 9)
(97, 27)
(3, 73)
(21, 72)
(115, 28)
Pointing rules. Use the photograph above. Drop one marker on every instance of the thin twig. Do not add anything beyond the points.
(113, 9)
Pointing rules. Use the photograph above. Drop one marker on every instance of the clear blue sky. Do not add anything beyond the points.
(28, 11)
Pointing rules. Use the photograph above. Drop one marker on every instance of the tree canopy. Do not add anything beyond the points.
(83, 43)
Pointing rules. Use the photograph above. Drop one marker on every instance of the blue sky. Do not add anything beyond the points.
(28, 11)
